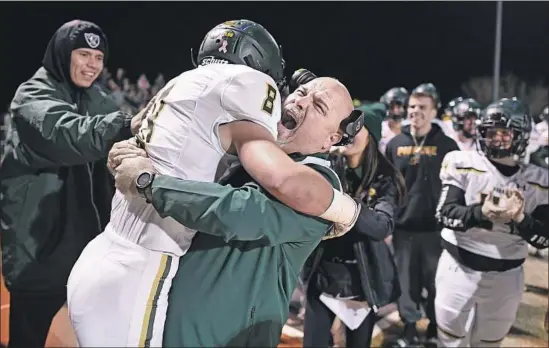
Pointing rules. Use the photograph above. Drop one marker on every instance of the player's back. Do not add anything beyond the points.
(181, 137)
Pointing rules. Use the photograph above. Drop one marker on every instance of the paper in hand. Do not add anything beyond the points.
(352, 313)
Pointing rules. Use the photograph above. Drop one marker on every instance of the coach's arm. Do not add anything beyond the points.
(243, 214)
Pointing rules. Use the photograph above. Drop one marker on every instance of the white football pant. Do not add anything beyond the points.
(117, 293)
(475, 309)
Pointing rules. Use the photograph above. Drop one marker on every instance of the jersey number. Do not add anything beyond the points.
(150, 114)
(268, 103)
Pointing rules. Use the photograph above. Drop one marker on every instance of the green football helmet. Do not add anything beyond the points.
(395, 98)
(244, 42)
(462, 110)
(506, 114)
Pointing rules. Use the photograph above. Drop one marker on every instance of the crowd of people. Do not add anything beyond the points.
(192, 222)
(131, 97)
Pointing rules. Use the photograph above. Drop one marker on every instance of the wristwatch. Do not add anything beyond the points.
(143, 183)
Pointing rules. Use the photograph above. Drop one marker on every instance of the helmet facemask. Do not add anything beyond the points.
(497, 141)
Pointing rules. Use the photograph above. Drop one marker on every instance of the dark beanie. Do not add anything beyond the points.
(70, 36)
(89, 35)
(374, 114)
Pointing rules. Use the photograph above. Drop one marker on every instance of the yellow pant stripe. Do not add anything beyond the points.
(150, 310)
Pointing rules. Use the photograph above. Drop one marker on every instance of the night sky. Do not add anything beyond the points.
(369, 46)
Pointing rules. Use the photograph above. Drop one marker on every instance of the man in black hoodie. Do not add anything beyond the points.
(418, 153)
(55, 188)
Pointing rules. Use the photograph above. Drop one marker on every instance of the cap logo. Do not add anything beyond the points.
(92, 39)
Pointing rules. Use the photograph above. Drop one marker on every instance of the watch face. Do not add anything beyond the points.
(143, 179)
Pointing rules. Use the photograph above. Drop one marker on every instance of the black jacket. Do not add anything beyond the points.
(55, 188)
(372, 274)
(421, 174)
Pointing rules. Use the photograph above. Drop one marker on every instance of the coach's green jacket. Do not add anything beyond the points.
(55, 190)
(234, 285)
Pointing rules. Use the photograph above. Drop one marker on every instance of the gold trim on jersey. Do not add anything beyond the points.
(538, 186)
(470, 170)
(150, 310)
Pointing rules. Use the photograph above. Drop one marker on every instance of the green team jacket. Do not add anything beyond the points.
(234, 285)
(55, 189)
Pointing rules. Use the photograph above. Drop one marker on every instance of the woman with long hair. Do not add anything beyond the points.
(358, 267)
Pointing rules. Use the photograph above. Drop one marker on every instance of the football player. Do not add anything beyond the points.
(492, 206)
(464, 116)
(395, 100)
(194, 128)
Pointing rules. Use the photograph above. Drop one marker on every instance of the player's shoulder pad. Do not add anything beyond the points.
(252, 95)
(324, 168)
(243, 73)
(537, 176)
(461, 159)
(248, 82)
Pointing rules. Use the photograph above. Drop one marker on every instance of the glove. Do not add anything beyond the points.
(503, 208)
(339, 230)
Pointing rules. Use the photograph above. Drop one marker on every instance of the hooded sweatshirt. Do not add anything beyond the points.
(70, 36)
(420, 166)
(55, 189)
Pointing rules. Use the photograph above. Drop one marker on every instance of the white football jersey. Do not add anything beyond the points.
(182, 140)
(476, 175)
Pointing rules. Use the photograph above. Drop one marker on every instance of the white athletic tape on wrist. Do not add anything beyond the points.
(343, 209)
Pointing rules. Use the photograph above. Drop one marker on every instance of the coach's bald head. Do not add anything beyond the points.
(312, 115)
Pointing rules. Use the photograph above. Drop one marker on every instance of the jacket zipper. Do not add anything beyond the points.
(359, 247)
(252, 315)
(89, 167)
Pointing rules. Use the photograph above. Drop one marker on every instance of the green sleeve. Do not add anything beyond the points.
(52, 133)
(243, 214)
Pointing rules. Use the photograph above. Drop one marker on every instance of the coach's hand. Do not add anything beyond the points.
(127, 171)
(122, 150)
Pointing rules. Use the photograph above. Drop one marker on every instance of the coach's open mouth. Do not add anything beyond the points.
(288, 119)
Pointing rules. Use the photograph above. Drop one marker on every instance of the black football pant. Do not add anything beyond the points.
(416, 258)
(31, 315)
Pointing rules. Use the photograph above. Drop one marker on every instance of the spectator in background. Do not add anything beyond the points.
(359, 264)
(56, 190)
(418, 153)
(120, 77)
(537, 150)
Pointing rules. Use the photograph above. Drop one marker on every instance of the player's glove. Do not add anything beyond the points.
(504, 207)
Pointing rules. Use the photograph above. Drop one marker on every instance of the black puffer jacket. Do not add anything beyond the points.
(360, 263)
